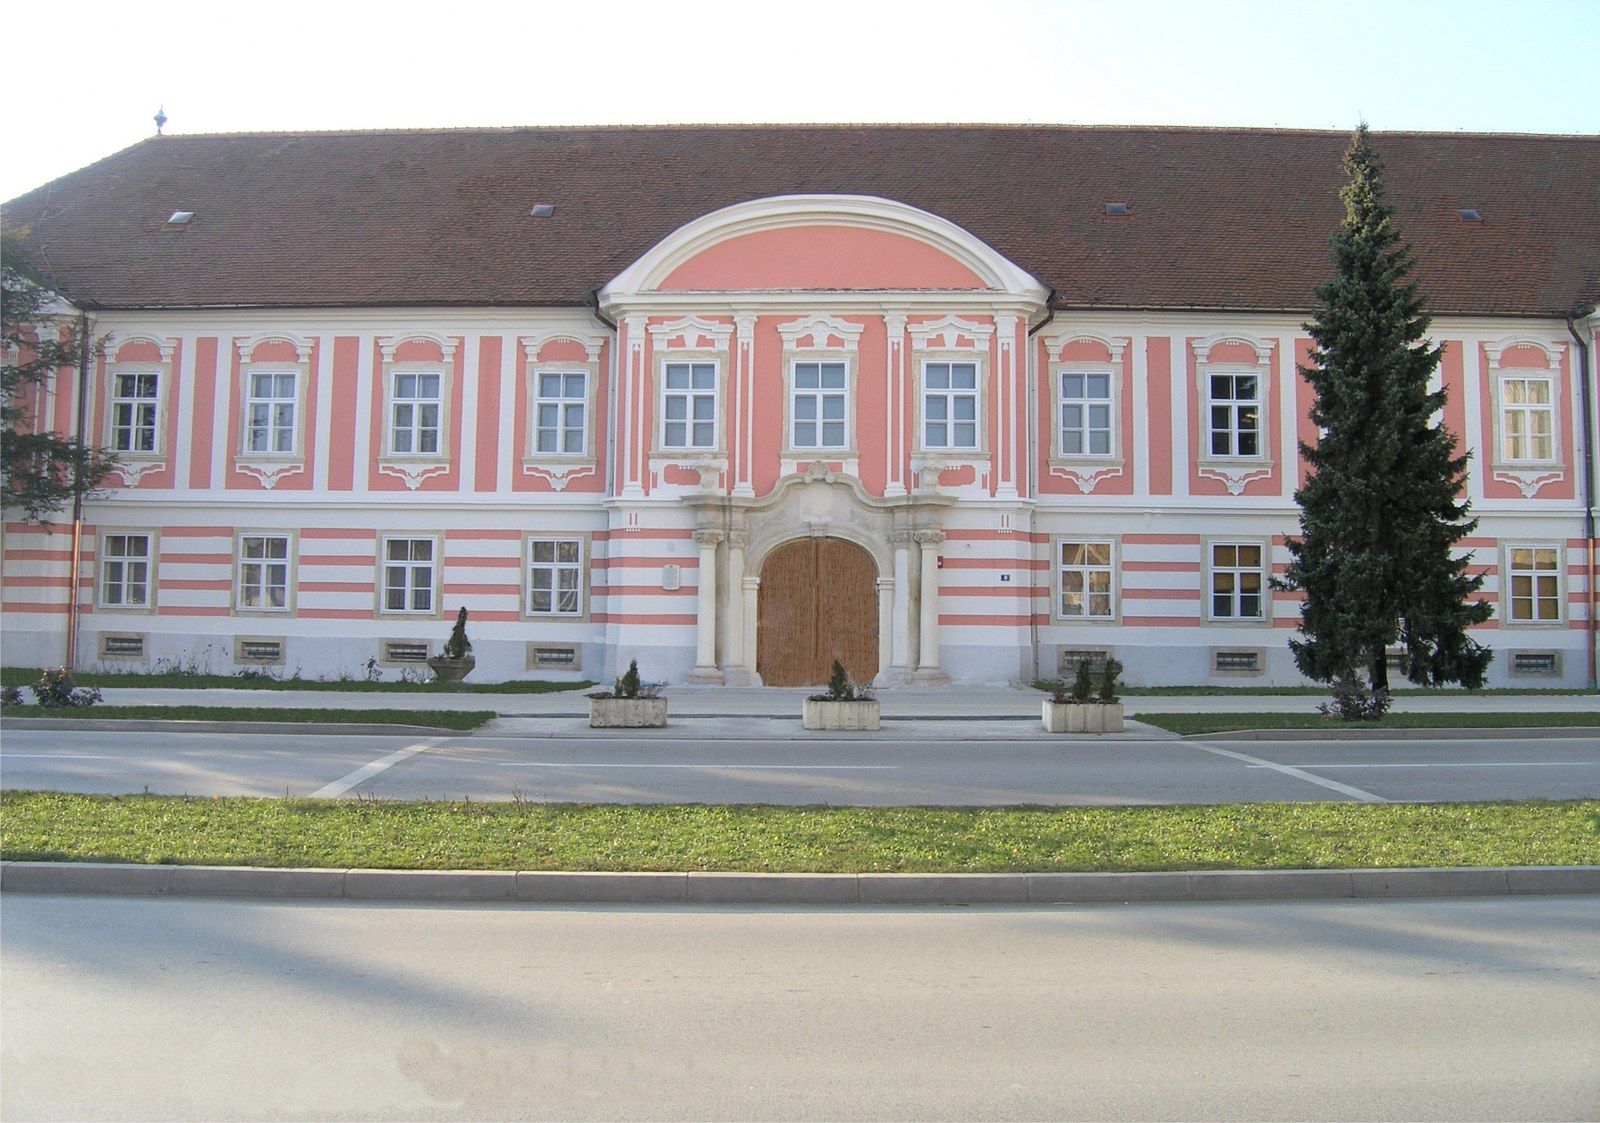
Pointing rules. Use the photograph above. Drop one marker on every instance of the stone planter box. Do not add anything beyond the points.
(841, 715)
(1082, 717)
(451, 670)
(627, 713)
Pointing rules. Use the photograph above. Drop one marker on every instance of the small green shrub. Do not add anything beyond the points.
(458, 646)
(1083, 684)
(1109, 687)
(55, 690)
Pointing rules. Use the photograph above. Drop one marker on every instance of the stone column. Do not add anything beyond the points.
(901, 658)
(752, 587)
(928, 669)
(735, 657)
(705, 651)
(885, 626)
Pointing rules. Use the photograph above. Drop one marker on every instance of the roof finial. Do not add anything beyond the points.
(161, 119)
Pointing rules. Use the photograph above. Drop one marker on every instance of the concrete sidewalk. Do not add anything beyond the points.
(921, 703)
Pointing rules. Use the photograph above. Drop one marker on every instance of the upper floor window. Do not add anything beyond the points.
(1535, 585)
(125, 570)
(1086, 571)
(135, 402)
(1234, 412)
(819, 405)
(1527, 417)
(408, 575)
(1085, 414)
(689, 406)
(950, 405)
(270, 411)
(1237, 578)
(416, 403)
(559, 409)
(555, 577)
(263, 577)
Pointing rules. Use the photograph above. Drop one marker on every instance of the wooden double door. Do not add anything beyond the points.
(818, 602)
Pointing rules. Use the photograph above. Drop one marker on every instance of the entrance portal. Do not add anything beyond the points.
(818, 602)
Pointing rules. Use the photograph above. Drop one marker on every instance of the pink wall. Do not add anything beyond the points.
(821, 257)
(1531, 359)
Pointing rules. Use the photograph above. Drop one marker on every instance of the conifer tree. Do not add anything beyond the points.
(1381, 508)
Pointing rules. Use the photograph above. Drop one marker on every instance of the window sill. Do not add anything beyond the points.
(1235, 472)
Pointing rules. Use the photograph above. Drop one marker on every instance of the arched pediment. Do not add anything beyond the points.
(781, 243)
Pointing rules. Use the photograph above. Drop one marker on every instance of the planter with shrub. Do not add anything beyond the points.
(844, 706)
(1083, 708)
(457, 661)
(629, 704)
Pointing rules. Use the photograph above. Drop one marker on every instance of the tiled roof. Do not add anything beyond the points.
(1221, 218)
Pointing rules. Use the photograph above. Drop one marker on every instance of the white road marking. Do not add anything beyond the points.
(770, 767)
(1464, 764)
(1300, 774)
(367, 771)
(55, 756)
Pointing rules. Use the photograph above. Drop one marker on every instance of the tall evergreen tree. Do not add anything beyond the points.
(40, 471)
(1382, 507)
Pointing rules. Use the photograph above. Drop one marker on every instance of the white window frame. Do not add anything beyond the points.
(137, 403)
(1263, 571)
(1208, 430)
(243, 562)
(1511, 571)
(555, 568)
(1112, 568)
(104, 561)
(1504, 410)
(1113, 400)
(690, 396)
(251, 401)
(393, 401)
(563, 404)
(819, 396)
(409, 565)
(950, 396)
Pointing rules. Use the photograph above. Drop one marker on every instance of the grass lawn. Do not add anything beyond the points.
(441, 719)
(182, 680)
(57, 826)
(1226, 723)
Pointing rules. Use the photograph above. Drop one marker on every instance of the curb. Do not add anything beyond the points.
(549, 887)
(1509, 733)
(156, 725)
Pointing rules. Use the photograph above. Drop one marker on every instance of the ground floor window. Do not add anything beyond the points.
(1237, 577)
(1086, 572)
(555, 577)
(125, 570)
(408, 574)
(264, 572)
(1535, 584)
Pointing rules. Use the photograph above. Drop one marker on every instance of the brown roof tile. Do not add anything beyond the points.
(1222, 218)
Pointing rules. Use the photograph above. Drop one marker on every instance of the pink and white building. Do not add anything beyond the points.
(951, 403)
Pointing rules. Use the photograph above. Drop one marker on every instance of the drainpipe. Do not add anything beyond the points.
(77, 491)
(612, 377)
(1033, 473)
(1586, 388)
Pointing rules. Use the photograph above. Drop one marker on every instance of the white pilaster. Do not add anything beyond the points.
(752, 592)
(885, 625)
(1005, 328)
(928, 669)
(744, 350)
(1472, 414)
(901, 657)
(705, 654)
(733, 649)
(895, 392)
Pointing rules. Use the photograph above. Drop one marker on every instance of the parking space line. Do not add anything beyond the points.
(767, 767)
(1298, 773)
(367, 771)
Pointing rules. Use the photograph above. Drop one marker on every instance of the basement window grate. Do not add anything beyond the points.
(121, 646)
(258, 650)
(405, 651)
(1245, 662)
(1535, 663)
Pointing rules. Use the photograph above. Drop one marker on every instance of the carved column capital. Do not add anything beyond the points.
(900, 538)
(930, 537)
(708, 538)
(737, 539)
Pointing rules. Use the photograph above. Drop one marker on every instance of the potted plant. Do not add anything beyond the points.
(844, 706)
(629, 704)
(457, 661)
(1084, 708)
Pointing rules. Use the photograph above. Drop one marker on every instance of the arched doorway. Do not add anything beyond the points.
(818, 602)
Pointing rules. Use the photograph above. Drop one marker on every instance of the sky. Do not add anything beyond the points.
(97, 72)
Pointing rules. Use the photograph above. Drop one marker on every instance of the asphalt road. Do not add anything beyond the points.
(120, 1008)
(884, 769)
